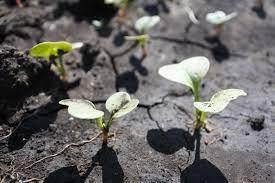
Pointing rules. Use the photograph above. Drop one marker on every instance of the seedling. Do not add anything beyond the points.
(190, 73)
(117, 105)
(53, 52)
(218, 19)
(142, 26)
(121, 4)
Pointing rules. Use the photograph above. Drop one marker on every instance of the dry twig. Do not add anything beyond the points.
(81, 143)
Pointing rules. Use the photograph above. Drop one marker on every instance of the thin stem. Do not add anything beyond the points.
(218, 29)
(100, 122)
(122, 11)
(199, 115)
(144, 50)
(203, 117)
(105, 136)
(61, 68)
(106, 129)
(110, 122)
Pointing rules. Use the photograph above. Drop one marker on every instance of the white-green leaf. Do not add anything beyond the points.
(116, 2)
(83, 109)
(219, 101)
(120, 104)
(145, 23)
(219, 17)
(187, 72)
(77, 45)
(110, 1)
(97, 23)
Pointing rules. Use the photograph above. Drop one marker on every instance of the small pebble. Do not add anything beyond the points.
(53, 127)
(256, 123)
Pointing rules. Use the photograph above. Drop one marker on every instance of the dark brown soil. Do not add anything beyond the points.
(154, 143)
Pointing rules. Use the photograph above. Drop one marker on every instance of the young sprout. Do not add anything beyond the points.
(142, 26)
(218, 19)
(121, 4)
(190, 73)
(117, 105)
(53, 52)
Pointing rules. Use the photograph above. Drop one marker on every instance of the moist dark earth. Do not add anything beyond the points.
(156, 142)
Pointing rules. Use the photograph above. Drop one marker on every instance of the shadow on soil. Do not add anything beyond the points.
(201, 170)
(129, 79)
(89, 52)
(119, 39)
(39, 120)
(259, 11)
(106, 158)
(169, 142)
(157, 7)
(218, 49)
(87, 10)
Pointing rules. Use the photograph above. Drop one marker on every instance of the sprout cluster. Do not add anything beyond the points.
(190, 73)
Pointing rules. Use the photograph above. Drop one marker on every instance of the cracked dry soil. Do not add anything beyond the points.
(154, 143)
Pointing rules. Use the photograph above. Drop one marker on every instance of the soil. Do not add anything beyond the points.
(154, 143)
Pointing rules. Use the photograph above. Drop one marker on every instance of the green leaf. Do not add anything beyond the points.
(120, 104)
(83, 109)
(219, 17)
(145, 23)
(189, 72)
(48, 49)
(219, 101)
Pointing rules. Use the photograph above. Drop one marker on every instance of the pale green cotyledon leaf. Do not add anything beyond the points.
(145, 23)
(187, 72)
(115, 2)
(48, 49)
(219, 17)
(120, 104)
(83, 109)
(110, 1)
(219, 101)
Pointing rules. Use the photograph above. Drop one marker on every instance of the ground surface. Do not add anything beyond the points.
(153, 143)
